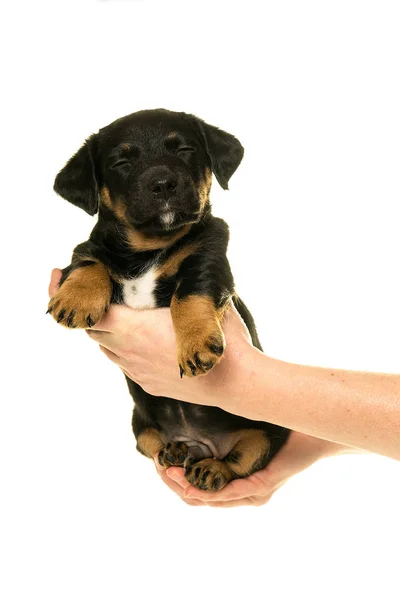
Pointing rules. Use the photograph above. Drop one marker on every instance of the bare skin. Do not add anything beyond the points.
(333, 410)
(300, 452)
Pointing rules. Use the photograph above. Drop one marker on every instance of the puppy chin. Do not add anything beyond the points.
(167, 223)
(157, 228)
(167, 219)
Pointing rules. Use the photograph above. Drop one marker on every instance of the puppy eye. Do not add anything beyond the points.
(123, 162)
(120, 163)
(185, 150)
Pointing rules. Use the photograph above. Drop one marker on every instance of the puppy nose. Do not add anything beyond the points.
(163, 186)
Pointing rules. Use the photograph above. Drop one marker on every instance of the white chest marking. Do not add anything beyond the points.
(139, 292)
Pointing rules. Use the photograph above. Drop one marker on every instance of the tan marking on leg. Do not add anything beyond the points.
(149, 442)
(171, 266)
(77, 257)
(248, 454)
(83, 298)
(199, 336)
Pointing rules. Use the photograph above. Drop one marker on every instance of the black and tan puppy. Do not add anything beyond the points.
(156, 244)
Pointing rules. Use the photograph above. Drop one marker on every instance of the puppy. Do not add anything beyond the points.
(156, 244)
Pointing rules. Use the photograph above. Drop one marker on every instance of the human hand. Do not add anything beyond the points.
(143, 344)
(300, 452)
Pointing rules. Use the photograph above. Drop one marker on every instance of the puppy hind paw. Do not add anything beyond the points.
(173, 455)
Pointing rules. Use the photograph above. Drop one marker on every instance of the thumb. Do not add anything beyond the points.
(54, 281)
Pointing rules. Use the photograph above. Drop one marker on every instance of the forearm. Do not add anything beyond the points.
(352, 408)
(355, 409)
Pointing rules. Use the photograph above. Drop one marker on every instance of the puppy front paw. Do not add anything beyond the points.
(75, 312)
(200, 341)
(83, 298)
(200, 352)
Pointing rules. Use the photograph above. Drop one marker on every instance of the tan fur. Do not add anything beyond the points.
(210, 474)
(171, 266)
(204, 189)
(252, 446)
(197, 325)
(85, 294)
(105, 197)
(138, 241)
(149, 442)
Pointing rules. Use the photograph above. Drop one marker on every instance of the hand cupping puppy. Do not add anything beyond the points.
(142, 344)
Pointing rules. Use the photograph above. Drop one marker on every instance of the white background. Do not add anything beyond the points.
(312, 91)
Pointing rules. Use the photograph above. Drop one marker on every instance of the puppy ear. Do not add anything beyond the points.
(76, 182)
(224, 151)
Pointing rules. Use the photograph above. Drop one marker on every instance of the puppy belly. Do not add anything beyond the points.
(200, 445)
(196, 449)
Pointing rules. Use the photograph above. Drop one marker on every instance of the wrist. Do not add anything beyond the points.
(225, 385)
(235, 380)
(327, 448)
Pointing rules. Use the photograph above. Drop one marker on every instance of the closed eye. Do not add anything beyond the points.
(120, 163)
(185, 150)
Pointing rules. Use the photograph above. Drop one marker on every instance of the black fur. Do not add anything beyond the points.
(145, 160)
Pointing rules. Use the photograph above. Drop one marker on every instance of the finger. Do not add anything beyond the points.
(173, 486)
(114, 357)
(202, 498)
(101, 337)
(106, 341)
(116, 319)
(178, 490)
(55, 278)
(177, 474)
(241, 502)
(122, 319)
(235, 490)
(116, 353)
(230, 503)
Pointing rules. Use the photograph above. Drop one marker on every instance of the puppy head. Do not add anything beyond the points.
(152, 169)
